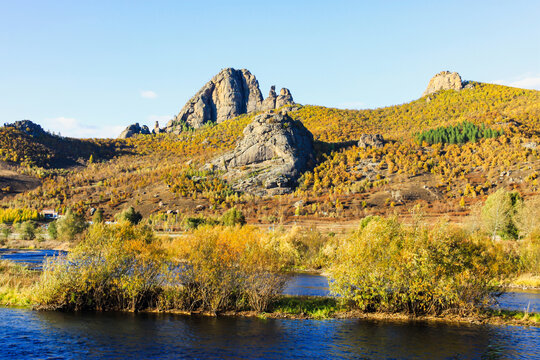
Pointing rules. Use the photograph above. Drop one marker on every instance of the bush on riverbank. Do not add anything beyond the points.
(227, 268)
(388, 267)
(124, 267)
(113, 268)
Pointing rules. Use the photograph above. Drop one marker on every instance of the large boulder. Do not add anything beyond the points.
(133, 130)
(273, 153)
(228, 94)
(445, 80)
(371, 140)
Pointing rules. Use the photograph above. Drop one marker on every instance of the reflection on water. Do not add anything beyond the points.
(29, 334)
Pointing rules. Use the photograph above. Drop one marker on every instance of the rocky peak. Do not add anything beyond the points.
(284, 98)
(270, 102)
(156, 129)
(445, 80)
(133, 130)
(276, 148)
(273, 101)
(228, 94)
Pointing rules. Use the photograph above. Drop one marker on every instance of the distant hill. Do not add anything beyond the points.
(26, 143)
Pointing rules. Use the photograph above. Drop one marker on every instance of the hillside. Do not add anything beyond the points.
(27, 144)
(159, 173)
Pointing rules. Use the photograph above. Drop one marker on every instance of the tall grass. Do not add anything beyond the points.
(16, 284)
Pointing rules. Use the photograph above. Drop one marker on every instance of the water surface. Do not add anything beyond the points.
(29, 334)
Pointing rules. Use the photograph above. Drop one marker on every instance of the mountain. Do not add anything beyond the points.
(365, 161)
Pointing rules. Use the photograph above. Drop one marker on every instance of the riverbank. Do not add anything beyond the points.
(315, 308)
(327, 308)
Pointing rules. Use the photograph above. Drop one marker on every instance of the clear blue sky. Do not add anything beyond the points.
(89, 68)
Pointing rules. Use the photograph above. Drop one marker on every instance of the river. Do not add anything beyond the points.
(56, 335)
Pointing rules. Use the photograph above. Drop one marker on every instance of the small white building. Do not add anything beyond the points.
(49, 214)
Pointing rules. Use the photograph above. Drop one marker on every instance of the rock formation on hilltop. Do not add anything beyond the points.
(28, 127)
(273, 153)
(274, 102)
(133, 130)
(228, 94)
(445, 80)
(270, 102)
(284, 98)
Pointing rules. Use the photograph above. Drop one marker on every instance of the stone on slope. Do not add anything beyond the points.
(445, 80)
(273, 153)
(371, 140)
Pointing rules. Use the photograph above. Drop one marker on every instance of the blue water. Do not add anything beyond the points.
(26, 334)
(34, 258)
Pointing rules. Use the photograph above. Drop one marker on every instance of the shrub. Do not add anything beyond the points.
(70, 225)
(233, 217)
(228, 268)
(5, 232)
(98, 217)
(52, 230)
(527, 217)
(129, 215)
(304, 248)
(498, 214)
(112, 268)
(192, 223)
(28, 230)
(530, 252)
(388, 267)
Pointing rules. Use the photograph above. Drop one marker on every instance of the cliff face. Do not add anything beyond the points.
(445, 80)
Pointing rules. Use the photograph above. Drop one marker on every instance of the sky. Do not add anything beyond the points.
(90, 68)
